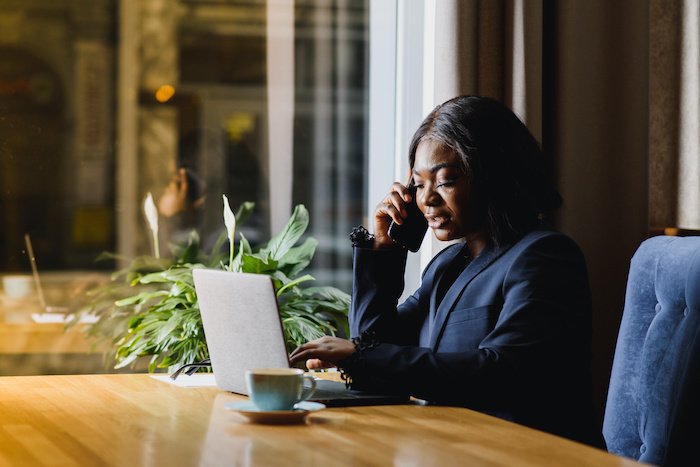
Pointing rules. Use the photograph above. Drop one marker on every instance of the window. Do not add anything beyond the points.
(103, 101)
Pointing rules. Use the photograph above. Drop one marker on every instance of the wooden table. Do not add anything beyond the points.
(46, 338)
(19, 334)
(130, 420)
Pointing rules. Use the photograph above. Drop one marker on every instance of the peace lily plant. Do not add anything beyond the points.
(149, 310)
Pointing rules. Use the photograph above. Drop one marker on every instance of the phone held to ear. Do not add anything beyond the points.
(410, 234)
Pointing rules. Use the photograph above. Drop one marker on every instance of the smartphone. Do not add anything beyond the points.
(410, 234)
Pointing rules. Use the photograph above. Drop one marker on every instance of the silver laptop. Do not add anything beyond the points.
(243, 330)
(37, 280)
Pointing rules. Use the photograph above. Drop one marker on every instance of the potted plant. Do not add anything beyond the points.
(150, 309)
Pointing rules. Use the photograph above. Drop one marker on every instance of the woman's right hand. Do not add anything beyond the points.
(392, 208)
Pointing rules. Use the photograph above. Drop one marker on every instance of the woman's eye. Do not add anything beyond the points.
(446, 183)
(418, 186)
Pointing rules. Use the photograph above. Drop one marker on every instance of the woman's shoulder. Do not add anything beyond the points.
(549, 259)
(548, 240)
(546, 234)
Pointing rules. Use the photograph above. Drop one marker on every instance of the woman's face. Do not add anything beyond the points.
(443, 191)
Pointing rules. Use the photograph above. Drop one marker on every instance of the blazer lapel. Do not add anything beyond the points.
(478, 264)
(432, 312)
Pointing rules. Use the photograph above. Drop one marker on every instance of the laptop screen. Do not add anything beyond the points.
(241, 324)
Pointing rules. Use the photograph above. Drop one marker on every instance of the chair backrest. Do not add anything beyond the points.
(654, 365)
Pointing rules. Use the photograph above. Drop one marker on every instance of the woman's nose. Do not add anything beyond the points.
(430, 197)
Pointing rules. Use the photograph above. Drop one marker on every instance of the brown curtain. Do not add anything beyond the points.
(491, 48)
(674, 114)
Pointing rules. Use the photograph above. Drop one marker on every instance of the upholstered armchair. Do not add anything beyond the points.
(652, 411)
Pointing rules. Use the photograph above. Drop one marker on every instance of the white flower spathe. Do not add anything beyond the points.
(229, 219)
(230, 222)
(151, 212)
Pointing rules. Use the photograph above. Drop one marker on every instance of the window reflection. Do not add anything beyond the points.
(330, 133)
(199, 103)
(53, 136)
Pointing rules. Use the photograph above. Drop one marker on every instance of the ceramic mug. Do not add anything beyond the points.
(17, 286)
(278, 388)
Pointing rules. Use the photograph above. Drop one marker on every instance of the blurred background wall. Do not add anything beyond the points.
(599, 137)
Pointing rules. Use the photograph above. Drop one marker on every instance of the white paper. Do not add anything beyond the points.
(61, 318)
(195, 380)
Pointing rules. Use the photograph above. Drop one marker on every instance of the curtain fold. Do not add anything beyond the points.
(674, 114)
(491, 48)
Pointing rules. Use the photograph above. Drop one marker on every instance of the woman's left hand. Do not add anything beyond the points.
(323, 353)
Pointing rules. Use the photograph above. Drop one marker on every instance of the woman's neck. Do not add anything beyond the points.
(476, 242)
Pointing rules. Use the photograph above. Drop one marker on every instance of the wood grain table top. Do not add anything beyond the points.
(132, 420)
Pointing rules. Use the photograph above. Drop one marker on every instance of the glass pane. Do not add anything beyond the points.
(105, 101)
(219, 111)
(330, 132)
(57, 157)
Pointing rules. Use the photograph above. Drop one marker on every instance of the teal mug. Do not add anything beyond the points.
(278, 388)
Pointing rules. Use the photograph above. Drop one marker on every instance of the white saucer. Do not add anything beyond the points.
(298, 415)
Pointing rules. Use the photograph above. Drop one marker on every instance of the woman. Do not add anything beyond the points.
(501, 322)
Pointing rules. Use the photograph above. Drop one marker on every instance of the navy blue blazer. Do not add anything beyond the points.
(511, 337)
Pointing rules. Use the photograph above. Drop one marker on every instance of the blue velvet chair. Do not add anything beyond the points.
(652, 413)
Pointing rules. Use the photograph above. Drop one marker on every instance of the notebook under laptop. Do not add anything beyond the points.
(243, 330)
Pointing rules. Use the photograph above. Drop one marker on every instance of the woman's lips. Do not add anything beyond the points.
(436, 222)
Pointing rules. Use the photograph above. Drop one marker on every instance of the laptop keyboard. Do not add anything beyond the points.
(332, 390)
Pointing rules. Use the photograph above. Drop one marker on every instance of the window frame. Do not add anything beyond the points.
(401, 94)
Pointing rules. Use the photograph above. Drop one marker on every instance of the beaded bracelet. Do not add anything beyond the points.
(365, 341)
(360, 237)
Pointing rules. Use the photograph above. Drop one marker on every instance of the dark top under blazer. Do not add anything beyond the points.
(511, 336)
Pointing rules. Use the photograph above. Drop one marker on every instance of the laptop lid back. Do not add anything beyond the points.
(241, 325)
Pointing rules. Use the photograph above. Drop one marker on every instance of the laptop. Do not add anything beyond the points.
(243, 330)
(37, 281)
(50, 313)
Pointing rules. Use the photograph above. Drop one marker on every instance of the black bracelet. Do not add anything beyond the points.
(365, 341)
(361, 238)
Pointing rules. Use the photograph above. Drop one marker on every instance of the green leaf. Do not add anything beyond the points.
(166, 330)
(280, 244)
(109, 256)
(189, 253)
(126, 361)
(327, 294)
(299, 257)
(255, 264)
(295, 282)
(181, 273)
(243, 248)
(216, 252)
(141, 298)
(155, 277)
(244, 211)
(302, 330)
